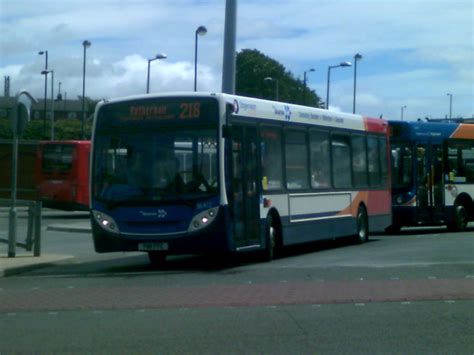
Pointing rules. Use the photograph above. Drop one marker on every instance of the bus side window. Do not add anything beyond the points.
(271, 158)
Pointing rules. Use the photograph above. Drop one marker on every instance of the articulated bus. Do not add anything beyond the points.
(62, 174)
(432, 174)
(196, 173)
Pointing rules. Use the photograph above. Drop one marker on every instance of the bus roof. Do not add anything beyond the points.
(248, 107)
(411, 130)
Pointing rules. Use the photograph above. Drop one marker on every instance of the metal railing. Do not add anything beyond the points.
(33, 235)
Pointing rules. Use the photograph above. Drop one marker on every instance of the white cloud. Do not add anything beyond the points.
(414, 50)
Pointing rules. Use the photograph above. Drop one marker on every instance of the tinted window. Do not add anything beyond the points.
(320, 159)
(359, 160)
(341, 161)
(296, 153)
(271, 154)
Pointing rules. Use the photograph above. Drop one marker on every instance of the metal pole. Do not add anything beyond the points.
(228, 67)
(52, 105)
(148, 78)
(304, 88)
(327, 90)
(13, 210)
(195, 59)
(45, 92)
(85, 44)
(355, 82)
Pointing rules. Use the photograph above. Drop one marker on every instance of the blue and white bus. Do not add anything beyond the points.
(432, 174)
(190, 173)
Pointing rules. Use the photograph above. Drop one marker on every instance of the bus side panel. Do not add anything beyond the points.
(82, 183)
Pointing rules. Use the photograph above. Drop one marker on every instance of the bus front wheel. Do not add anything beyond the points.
(157, 258)
(459, 219)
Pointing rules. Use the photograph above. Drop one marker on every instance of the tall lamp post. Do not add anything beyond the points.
(277, 88)
(201, 31)
(342, 64)
(158, 56)
(45, 88)
(304, 84)
(450, 105)
(402, 109)
(86, 44)
(357, 57)
(46, 72)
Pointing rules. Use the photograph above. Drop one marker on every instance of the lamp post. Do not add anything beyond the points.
(45, 88)
(402, 109)
(450, 105)
(86, 44)
(201, 31)
(277, 89)
(46, 72)
(158, 56)
(357, 57)
(342, 64)
(304, 84)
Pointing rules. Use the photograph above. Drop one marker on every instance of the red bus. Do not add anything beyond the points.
(62, 174)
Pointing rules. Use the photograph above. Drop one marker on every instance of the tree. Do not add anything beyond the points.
(253, 67)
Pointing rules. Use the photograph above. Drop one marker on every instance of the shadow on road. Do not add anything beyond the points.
(118, 264)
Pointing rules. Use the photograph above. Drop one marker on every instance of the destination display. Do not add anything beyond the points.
(152, 111)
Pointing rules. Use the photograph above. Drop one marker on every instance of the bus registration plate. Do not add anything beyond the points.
(152, 246)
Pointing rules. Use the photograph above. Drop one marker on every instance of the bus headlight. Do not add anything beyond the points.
(105, 221)
(203, 219)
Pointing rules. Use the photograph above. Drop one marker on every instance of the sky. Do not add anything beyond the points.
(414, 52)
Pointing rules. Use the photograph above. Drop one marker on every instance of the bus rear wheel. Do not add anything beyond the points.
(270, 240)
(362, 235)
(157, 258)
(459, 223)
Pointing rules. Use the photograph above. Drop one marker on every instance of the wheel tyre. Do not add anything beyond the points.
(393, 229)
(362, 235)
(157, 258)
(460, 219)
(270, 240)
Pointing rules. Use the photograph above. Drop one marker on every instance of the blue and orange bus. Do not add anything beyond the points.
(432, 174)
(209, 173)
(62, 174)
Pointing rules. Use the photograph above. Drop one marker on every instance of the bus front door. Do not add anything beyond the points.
(429, 181)
(245, 199)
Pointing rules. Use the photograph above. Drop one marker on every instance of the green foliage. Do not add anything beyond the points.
(253, 67)
(63, 129)
(5, 128)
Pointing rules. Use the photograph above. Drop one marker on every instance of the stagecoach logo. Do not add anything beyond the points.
(285, 112)
(161, 213)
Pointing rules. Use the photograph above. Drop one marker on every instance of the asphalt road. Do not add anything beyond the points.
(411, 294)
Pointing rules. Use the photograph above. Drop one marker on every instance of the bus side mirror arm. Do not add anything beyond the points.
(226, 131)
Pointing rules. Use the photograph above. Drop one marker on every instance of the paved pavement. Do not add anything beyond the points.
(26, 261)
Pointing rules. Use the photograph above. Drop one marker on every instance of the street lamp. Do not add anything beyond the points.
(342, 64)
(45, 73)
(201, 31)
(158, 56)
(86, 44)
(45, 88)
(450, 105)
(277, 89)
(304, 84)
(402, 109)
(357, 57)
